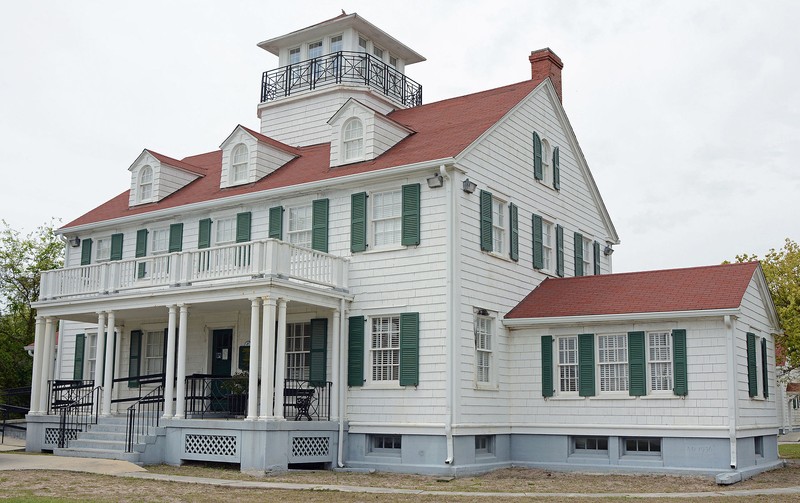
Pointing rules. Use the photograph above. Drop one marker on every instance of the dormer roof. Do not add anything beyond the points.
(266, 140)
(169, 161)
(338, 23)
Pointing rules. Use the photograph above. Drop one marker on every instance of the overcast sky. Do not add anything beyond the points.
(688, 112)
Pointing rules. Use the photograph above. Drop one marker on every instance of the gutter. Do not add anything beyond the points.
(600, 318)
(733, 412)
(452, 311)
(258, 196)
(342, 398)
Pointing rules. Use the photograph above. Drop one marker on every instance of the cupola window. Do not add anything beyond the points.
(239, 163)
(353, 139)
(145, 183)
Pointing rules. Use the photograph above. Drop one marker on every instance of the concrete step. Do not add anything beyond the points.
(111, 445)
(102, 435)
(133, 457)
(110, 428)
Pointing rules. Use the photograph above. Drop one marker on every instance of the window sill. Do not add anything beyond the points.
(613, 397)
(548, 184)
(383, 385)
(390, 248)
(660, 396)
(486, 386)
(566, 398)
(500, 256)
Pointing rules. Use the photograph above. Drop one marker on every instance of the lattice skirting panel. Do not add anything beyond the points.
(310, 448)
(51, 436)
(212, 447)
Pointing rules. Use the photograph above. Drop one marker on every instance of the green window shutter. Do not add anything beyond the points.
(586, 364)
(578, 254)
(637, 366)
(276, 222)
(317, 374)
(409, 349)
(80, 348)
(175, 238)
(764, 368)
(538, 244)
(560, 251)
(410, 215)
(86, 251)
(537, 157)
(116, 247)
(556, 170)
(319, 225)
(141, 243)
(596, 250)
(681, 384)
(547, 365)
(358, 222)
(134, 358)
(204, 233)
(355, 351)
(752, 376)
(486, 221)
(243, 227)
(513, 216)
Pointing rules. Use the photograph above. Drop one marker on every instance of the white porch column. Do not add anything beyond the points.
(47, 363)
(169, 372)
(36, 379)
(100, 349)
(180, 406)
(108, 366)
(255, 346)
(280, 359)
(334, 398)
(267, 375)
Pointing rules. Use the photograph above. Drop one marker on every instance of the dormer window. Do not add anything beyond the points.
(239, 164)
(353, 139)
(145, 183)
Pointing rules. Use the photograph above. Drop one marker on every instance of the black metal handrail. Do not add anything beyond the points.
(307, 400)
(219, 396)
(63, 392)
(79, 415)
(337, 68)
(14, 404)
(140, 382)
(143, 415)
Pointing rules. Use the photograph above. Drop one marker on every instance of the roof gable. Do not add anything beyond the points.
(670, 290)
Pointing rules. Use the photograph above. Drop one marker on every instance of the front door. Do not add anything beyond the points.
(221, 356)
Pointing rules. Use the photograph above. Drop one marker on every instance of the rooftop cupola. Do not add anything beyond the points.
(324, 65)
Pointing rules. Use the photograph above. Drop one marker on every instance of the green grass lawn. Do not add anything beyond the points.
(789, 451)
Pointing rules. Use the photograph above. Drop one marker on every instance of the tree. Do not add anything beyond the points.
(782, 271)
(22, 260)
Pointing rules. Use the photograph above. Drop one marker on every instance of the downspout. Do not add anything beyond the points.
(732, 387)
(451, 326)
(342, 388)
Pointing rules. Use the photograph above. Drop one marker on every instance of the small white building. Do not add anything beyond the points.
(360, 257)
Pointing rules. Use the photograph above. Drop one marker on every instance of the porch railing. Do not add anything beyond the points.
(253, 259)
(65, 392)
(215, 396)
(79, 415)
(338, 68)
(139, 383)
(144, 415)
(306, 400)
(14, 404)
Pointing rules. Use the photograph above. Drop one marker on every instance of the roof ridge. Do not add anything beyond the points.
(654, 271)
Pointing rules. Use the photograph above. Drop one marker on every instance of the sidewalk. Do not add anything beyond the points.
(126, 469)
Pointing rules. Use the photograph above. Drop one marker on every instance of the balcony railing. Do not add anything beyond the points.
(239, 261)
(340, 68)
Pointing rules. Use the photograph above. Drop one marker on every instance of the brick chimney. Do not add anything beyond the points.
(545, 63)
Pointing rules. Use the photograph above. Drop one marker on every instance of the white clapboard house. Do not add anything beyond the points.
(350, 285)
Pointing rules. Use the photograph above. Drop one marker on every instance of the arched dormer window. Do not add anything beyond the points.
(353, 139)
(145, 183)
(239, 163)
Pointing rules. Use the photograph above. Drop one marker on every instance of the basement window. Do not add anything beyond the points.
(385, 444)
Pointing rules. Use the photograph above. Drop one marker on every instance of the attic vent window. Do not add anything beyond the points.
(353, 139)
(145, 183)
(239, 164)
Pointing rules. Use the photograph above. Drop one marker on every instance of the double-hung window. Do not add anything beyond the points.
(154, 352)
(588, 252)
(145, 183)
(385, 348)
(300, 226)
(568, 364)
(484, 330)
(612, 352)
(226, 230)
(659, 360)
(103, 249)
(298, 348)
(547, 177)
(498, 225)
(386, 217)
(91, 355)
(547, 245)
(239, 161)
(353, 139)
(160, 241)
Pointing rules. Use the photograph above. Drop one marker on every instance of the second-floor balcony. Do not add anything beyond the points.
(227, 263)
(341, 67)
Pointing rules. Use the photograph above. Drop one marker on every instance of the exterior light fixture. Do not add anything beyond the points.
(75, 242)
(607, 251)
(435, 181)
(469, 186)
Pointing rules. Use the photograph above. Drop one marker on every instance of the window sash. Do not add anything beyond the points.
(547, 246)
(315, 49)
(91, 355)
(160, 240)
(154, 352)
(386, 217)
(225, 231)
(498, 226)
(612, 351)
(385, 348)
(588, 253)
(568, 364)
(659, 360)
(336, 43)
(103, 249)
(298, 348)
(300, 226)
(484, 329)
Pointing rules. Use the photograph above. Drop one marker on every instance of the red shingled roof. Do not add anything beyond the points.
(692, 289)
(443, 129)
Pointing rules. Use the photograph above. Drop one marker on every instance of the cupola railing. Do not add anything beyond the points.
(341, 67)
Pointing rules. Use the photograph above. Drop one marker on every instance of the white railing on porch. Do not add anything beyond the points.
(253, 259)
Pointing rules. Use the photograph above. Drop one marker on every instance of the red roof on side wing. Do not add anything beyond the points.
(669, 290)
(443, 129)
